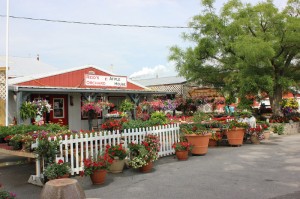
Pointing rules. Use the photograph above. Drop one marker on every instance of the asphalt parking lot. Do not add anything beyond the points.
(270, 170)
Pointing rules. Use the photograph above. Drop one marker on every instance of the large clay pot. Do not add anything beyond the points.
(147, 168)
(199, 142)
(117, 166)
(235, 136)
(182, 155)
(212, 143)
(98, 176)
(64, 176)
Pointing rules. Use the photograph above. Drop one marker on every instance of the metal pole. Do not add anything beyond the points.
(6, 63)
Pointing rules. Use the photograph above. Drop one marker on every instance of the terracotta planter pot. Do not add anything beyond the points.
(117, 166)
(98, 177)
(267, 134)
(64, 176)
(235, 136)
(182, 155)
(199, 142)
(212, 143)
(147, 168)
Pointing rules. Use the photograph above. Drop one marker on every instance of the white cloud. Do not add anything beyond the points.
(159, 70)
(146, 71)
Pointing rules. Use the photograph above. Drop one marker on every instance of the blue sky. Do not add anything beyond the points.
(125, 51)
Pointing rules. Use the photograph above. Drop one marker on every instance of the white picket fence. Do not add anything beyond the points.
(75, 149)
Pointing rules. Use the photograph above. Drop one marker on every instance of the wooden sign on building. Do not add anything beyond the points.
(204, 92)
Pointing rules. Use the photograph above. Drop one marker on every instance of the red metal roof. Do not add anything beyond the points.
(74, 79)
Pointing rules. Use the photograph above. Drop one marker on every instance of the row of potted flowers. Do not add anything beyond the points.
(141, 155)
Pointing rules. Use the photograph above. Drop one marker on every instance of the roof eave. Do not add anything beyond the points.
(83, 90)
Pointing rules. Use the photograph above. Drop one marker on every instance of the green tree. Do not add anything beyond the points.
(245, 50)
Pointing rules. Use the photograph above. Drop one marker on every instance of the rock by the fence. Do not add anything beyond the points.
(64, 188)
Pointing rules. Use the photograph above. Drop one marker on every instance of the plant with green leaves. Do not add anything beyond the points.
(158, 118)
(200, 116)
(126, 105)
(195, 128)
(245, 50)
(47, 149)
(27, 110)
(57, 169)
(278, 129)
(236, 124)
(6, 194)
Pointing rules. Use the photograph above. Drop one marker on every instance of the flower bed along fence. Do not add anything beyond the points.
(75, 149)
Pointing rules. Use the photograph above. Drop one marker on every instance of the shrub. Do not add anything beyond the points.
(278, 129)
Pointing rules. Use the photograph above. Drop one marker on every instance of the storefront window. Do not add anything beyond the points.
(58, 108)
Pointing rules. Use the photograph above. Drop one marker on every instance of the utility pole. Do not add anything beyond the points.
(6, 63)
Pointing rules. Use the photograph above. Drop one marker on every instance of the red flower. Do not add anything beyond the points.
(60, 161)
(81, 173)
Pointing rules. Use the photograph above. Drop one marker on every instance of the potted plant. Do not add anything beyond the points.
(126, 106)
(46, 149)
(96, 167)
(198, 135)
(113, 124)
(91, 109)
(256, 134)
(235, 133)
(57, 170)
(182, 149)
(118, 154)
(143, 155)
(16, 141)
(215, 137)
(266, 129)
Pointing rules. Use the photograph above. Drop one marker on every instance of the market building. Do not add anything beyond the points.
(66, 90)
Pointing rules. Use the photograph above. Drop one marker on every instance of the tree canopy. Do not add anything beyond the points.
(245, 50)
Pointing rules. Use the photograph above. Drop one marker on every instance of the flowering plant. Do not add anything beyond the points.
(235, 124)
(117, 152)
(57, 170)
(145, 105)
(113, 124)
(6, 195)
(91, 106)
(42, 106)
(97, 162)
(147, 151)
(36, 107)
(288, 105)
(105, 105)
(157, 105)
(257, 132)
(182, 146)
(170, 105)
(265, 126)
(216, 136)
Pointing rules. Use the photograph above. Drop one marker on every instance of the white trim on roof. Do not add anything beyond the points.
(38, 76)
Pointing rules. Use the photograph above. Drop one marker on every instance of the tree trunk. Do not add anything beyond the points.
(275, 101)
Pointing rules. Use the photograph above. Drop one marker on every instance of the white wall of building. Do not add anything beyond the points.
(75, 122)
